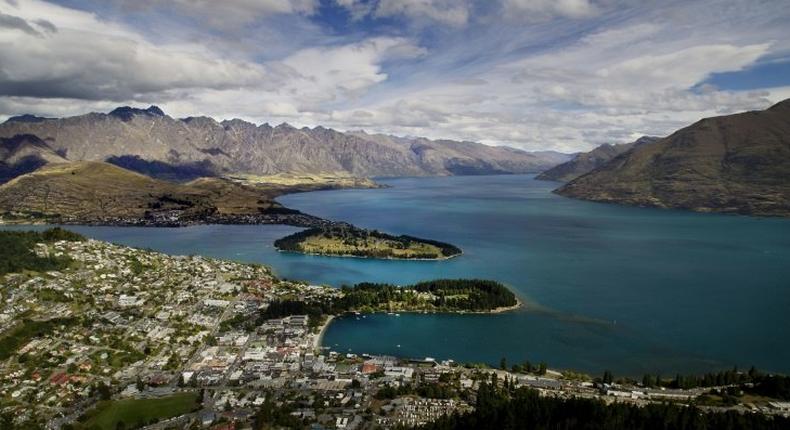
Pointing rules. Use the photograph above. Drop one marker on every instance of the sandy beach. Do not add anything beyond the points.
(317, 339)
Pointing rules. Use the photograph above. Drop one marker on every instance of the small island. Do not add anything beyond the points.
(345, 240)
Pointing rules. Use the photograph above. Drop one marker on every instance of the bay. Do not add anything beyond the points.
(632, 290)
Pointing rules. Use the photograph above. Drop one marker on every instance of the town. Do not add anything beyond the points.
(129, 338)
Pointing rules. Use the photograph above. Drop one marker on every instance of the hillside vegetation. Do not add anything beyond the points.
(346, 240)
(16, 250)
(505, 408)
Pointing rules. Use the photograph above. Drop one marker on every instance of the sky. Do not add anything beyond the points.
(562, 75)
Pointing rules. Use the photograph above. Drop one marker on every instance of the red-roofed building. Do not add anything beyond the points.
(59, 378)
(368, 368)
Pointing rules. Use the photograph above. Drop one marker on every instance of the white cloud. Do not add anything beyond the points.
(580, 75)
(572, 98)
(227, 14)
(608, 74)
(335, 74)
(685, 67)
(309, 82)
(90, 59)
(538, 10)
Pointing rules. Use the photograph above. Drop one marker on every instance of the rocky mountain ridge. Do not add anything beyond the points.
(153, 143)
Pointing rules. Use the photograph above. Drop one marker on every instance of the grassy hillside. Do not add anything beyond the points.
(92, 191)
(96, 192)
(736, 163)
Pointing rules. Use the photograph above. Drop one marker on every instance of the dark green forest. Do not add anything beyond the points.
(505, 408)
(26, 330)
(16, 250)
(753, 381)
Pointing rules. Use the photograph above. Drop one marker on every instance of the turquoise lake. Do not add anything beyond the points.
(607, 287)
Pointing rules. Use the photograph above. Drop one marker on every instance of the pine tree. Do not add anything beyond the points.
(607, 377)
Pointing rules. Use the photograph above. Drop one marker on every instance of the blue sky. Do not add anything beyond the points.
(757, 76)
(535, 74)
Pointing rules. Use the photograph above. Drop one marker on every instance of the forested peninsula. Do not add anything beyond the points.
(441, 295)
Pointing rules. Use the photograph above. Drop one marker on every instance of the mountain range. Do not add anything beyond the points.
(150, 142)
(586, 162)
(735, 163)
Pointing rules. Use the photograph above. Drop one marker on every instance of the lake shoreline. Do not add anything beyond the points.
(502, 309)
(318, 343)
(291, 219)
(319, 338)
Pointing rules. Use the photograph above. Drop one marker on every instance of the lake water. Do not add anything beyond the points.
(608, 287)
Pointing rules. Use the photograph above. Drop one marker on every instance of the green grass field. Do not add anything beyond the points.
(134, 413)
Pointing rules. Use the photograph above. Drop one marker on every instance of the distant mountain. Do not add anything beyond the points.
(24, 153)
(151, 142)
(554, 157)
(588, 161)
(27, 118)
(736, 163)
